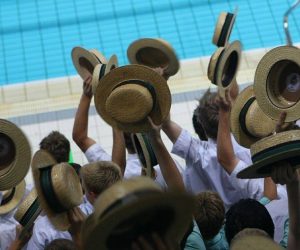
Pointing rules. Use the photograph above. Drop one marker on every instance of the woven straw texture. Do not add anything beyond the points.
(213, 63)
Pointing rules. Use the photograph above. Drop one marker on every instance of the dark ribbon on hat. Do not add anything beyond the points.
(8, 198)
(48, 191)
(30, 213)
(283, 147)
(145, 84)
(225, 29)
(127, 199)
(141, 153)
(102, 71)
(242, 117)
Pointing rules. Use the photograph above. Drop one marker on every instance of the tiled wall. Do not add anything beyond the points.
(36, 37)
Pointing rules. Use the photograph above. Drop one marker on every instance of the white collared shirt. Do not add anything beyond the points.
(133, 166)
(44, 232)
(204, 172)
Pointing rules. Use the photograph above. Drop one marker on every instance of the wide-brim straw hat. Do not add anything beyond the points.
(101, 70)
(15, 155)
(254, 242)
(58, 188)
(154, 53)
(277, 83)
(145, 152)
(223, 66)
(223, 28)
(267, 151)
(136, 207)
(127, 95)
(85, 60)
(11, 198)
(28, 210)
(248, 122)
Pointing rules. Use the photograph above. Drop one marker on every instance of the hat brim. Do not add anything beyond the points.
(42, 159)
(261, 89)
(96, 232)
(115, 77)
(13, 174)
(240, 136)
(94, 57)
(263, 168)
(15, 200)
(213, 62)
(231, 52)
(112, 64)
(159, 44)
(224, 28)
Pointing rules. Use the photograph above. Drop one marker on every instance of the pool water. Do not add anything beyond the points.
(37, 36)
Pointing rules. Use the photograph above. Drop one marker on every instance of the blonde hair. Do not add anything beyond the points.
(209, 214)
(100, 175)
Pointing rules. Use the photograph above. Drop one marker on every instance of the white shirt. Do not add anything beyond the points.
(204, 172)
(44, 232)
(279, 211)
(133, 166)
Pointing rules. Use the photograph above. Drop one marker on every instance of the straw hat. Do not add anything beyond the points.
(145, 152)
(102, 69)
(15, 155)
(247, 121)
(58, 188)
(223, 28)
(85, 60)
(28, 210)
(269, 150)
(277, 83)
(12, 197)
(223, 66)
(127, 95)
(253, 241)
(136, 207)
(154, 53)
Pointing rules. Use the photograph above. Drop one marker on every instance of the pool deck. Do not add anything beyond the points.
(64, 93)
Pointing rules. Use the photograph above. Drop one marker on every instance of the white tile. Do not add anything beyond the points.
(191, 68)
(76, 84)
(14, 93)
(36, 90)
(58, 87)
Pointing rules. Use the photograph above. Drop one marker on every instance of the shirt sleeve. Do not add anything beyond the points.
(195, 240)
(249, 188)
(96, 153)
(36, 242)
(187, 147)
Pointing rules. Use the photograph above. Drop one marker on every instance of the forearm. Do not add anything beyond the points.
(172, 130)
(118, 150)
(167, 165)
(226, 155)
(293, 190)
(270, 189)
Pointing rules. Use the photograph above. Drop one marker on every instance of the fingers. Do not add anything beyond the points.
(87, 80)
(280, 123)
(160, 245)
(283, 173)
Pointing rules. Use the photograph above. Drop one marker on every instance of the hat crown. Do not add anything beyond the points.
(6, 193)
(129, 103)
(122, 189)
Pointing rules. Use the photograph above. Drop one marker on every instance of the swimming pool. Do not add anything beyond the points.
(36, 37)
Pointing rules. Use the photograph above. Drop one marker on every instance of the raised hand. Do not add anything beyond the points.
(87, 87)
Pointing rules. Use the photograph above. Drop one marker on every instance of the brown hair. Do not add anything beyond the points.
(206, 115)
(210, 214)
(57, 145)
(61, 244)
(100, 175)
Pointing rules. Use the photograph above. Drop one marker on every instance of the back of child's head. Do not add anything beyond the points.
(61, 244)
(247, 213)
(206, 116)
(210, 214)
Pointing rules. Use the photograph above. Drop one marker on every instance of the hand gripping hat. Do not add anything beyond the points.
(85, 61)
(223, 66)
(58, 188)
(154, 53)
(267, 151)
(102, 69)
(145, 152)
(136, 207)
(28, 210)
(11, 198)
(247, 121)
(277, 83)
(15, 155)
(127, 95)
(223, 28)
